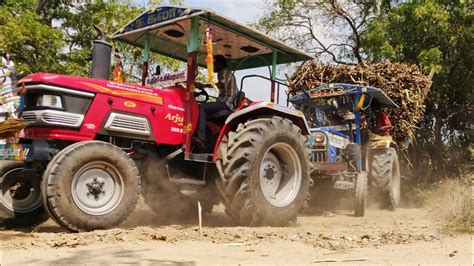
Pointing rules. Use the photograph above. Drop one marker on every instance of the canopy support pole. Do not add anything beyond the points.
(146, 57)
(274, 62)
(193, 45)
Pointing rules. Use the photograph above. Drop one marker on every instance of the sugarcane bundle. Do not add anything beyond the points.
(11, 127)
(405, 84)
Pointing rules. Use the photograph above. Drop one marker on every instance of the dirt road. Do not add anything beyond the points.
(407, 236)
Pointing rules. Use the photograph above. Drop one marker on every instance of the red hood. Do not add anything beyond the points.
(107, 87)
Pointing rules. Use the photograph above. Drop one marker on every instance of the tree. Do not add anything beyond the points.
(437, 35)
(330, 30)
(56, 36)
(34, 45)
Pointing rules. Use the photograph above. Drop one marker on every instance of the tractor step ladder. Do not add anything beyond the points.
(200, 157)
(188, 181)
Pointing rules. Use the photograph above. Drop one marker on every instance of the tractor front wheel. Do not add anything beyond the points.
(360, 195)
(91, 185)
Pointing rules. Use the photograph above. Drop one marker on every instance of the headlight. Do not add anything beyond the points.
(49, 101)
(319, 137)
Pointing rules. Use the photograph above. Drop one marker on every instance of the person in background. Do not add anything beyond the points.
(382, 123)
(118, 74)
(227, 91)
(10, 65)
(9, 101)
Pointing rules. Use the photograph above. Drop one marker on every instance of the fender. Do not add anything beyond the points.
(260, 109)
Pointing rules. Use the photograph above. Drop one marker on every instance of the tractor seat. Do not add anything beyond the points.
(220, 116)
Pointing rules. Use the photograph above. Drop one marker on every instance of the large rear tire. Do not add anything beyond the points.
(21, 204)
(91, 185)
(264, 172)
(385, 175)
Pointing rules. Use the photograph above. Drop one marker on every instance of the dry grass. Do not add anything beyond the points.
(450, 201)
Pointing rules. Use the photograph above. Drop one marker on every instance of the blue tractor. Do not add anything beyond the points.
(346, 158)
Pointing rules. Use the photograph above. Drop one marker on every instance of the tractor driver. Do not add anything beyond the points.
(382, 123)
(227, 91)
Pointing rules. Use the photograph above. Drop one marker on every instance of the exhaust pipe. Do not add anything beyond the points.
(101, 56)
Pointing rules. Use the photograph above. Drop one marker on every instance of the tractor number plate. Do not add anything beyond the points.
(16, 152)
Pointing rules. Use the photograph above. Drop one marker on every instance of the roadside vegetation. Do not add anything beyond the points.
(450, 202)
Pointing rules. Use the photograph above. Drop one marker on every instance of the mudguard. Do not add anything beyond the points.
(260, 109)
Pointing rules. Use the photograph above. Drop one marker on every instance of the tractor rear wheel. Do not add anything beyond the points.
(21, 204)
(264, 172)
(360, 195)
(91, 185)
(385, 175)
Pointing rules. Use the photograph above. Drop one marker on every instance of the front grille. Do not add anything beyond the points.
(318, 156)
(127, 124)
(29, 117)
(64, 119)
(52, 118)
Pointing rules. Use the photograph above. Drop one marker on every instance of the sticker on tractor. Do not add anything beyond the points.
(168, 79)
(178, 108)
(325, 92)
(176, 129)
(90, 126)
(337, 141)
(129, 104)
(16, 152)
(158, 15)
(177, 119)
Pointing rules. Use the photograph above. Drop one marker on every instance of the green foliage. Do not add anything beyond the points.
(78, 24)
(56, 35)
(34, 44)
(330, 30)
(437, 35)
(415, 30)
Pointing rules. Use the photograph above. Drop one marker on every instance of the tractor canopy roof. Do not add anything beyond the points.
(340, 89)
(167, 30)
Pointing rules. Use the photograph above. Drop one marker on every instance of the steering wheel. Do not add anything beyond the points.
(198, 92)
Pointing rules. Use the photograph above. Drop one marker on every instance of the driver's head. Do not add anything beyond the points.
(375, 106)
(220, 62)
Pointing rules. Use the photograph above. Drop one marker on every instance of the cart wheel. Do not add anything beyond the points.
(360, 197)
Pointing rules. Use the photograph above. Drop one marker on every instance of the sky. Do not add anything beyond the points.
(244, 12)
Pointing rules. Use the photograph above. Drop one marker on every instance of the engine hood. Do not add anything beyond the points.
(107, 87)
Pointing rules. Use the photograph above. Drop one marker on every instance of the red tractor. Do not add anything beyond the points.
(92, 146)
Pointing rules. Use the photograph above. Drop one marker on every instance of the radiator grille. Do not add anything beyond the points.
(61, 119)
(52, 118)
(29, 117)
(318, 156)
(128, 124)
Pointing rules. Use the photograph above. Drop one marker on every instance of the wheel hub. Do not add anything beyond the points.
(269, 172)
(20, 190)
(20, 194)
(96, 187)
